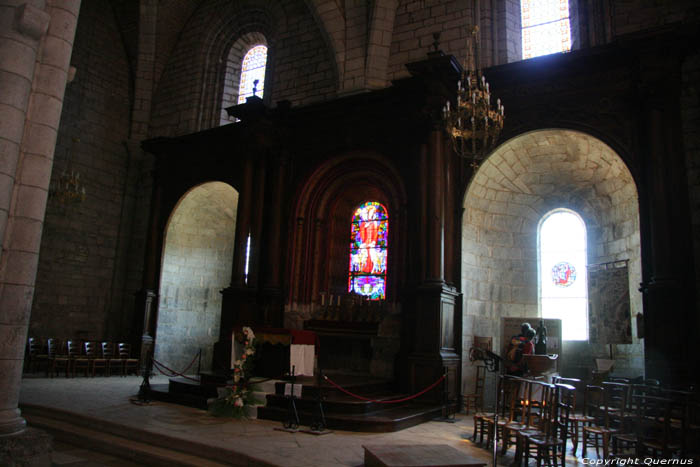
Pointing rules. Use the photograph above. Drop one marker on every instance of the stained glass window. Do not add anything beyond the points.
(545, 27)
(562, 269)
(368, 248)
(253, 68)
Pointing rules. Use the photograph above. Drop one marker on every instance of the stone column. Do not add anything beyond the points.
(36, 41)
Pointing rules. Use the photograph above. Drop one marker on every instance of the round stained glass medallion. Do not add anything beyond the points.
(563, 274)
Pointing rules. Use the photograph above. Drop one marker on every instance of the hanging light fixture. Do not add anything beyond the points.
(474, 124)
(68, 189)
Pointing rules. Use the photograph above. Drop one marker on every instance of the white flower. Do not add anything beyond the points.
(236, 377)
(237, 363)
(249, 333)
(238, 402)
(250, 351)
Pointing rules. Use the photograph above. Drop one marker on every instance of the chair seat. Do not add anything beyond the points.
(599, 430)
(581, 418)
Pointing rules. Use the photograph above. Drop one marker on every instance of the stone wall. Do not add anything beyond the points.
(74, 295)
(197, 259)
(189, 94)
(513, 189)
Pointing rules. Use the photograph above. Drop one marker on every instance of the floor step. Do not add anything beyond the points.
(149, 447)
(123, 448)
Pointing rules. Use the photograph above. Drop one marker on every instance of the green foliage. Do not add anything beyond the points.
(238, 395)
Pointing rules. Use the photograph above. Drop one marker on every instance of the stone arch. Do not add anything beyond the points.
(196, 265)
(514, 188)
(320, 239)
(232, 74)
(188, 96)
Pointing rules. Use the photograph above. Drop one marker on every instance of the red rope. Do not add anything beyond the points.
(393, 401)
(175, 373)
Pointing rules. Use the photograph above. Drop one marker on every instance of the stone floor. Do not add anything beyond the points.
(109, 400)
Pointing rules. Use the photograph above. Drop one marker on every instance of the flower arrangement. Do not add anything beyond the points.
(234, 398)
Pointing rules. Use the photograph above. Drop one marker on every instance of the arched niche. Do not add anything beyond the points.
(319, 259)
(196, 266)
(232, 74)
(523, 180)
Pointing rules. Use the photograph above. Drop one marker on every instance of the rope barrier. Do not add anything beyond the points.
(175, 373)
(393, 401)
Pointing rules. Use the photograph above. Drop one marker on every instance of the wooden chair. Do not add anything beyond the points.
(578, 420)
(130, 363)
(62, 359)
(550, 445)
(481, 418)
(521, 418)
(82, 362)
(507, 400)
(93, 352)
(475, 400)
(35, 355)
(655, 434)
(610, 416)
(542, 399)
(113, 359)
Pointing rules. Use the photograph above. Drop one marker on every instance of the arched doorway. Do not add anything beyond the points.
(515, 188)
(196, 266)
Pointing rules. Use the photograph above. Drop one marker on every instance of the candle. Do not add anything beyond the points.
(323, 299)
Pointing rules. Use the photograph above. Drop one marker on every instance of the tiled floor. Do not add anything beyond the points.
(108, 399)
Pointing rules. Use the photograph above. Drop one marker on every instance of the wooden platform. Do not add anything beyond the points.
(341, 411)
(418, 455)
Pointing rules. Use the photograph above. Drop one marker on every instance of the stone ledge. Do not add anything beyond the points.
(31, 447)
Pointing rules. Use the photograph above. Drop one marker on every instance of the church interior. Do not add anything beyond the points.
(172, 171)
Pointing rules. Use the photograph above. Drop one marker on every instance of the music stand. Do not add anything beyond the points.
(492, 362)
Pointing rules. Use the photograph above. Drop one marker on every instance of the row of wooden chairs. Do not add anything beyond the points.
(533, 415)
(616, 418)
(640, 420)
(74, 356)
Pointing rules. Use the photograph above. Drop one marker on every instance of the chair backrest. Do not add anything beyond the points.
(483, 342)
(125, 350)
(53, 347)
(565, 396)
(541, 402)
(575, 382)
(512, 391)
(91, 349)
(33, 346)
(73, 348)
(108, 349)
(593, 403)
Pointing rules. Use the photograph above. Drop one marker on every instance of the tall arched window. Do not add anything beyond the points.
(562, 272)
(545, 27)
(368, 248)
(253, 68)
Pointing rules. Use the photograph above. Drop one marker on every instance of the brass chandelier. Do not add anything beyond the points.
(68, 189)
(474, 124)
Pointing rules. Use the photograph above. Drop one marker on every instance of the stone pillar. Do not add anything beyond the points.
(36, 41)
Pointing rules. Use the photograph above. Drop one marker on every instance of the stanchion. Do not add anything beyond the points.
(318, 426)
(291, 423)
(446, 416)
(144, 396)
